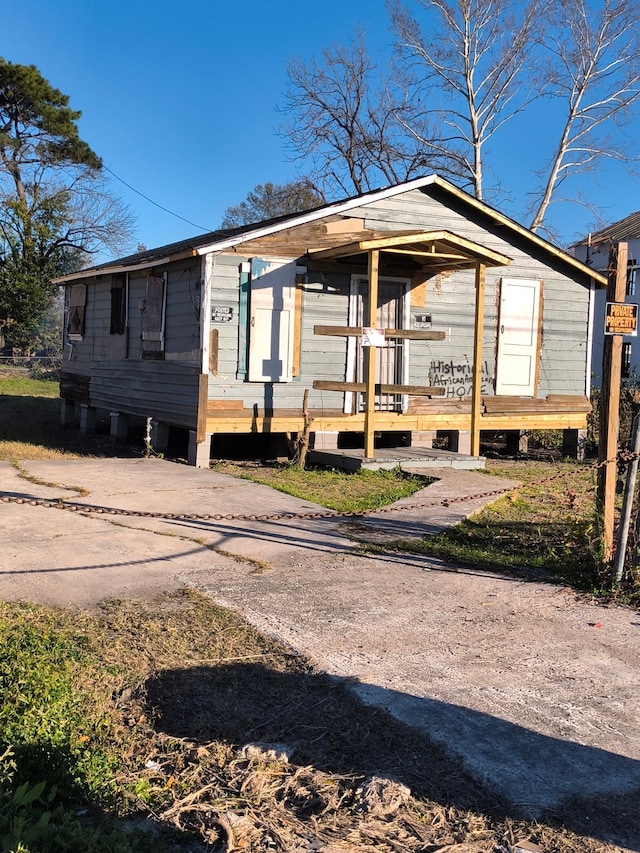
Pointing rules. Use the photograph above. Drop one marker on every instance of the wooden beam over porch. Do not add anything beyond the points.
(399, 334)
(434, 251)
(443, 249)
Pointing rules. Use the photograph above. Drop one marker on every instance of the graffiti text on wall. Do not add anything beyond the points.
(456, 377)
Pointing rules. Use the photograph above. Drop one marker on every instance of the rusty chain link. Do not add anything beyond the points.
(76, 506)
(72, 506)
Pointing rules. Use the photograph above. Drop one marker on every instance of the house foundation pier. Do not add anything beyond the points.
(326, 440)
(87, 418)
(119, 426)
(517, 441)
(199, 451)
(574, 443)
(159, 436)
(67, 412)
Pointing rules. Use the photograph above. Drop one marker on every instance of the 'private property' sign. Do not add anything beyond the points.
(621, 319)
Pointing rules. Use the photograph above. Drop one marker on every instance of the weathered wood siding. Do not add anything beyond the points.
(325, 301)
(166, 391)
(119, 378)
(97, 342)
(563, 363)
(182, 326)
(449, 299)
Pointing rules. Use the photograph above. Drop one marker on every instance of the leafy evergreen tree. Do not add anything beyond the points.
(54, 208)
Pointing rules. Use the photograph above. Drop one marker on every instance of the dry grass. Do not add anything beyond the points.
(30, 423)
(211, 728)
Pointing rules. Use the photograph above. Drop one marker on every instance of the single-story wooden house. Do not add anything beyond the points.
(594, 251)
(474, 323)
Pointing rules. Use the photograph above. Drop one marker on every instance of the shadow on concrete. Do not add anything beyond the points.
(339, 726)
(146, 561)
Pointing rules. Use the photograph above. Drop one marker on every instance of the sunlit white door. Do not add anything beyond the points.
(518, 337)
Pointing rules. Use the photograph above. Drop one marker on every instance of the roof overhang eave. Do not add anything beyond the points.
(94, 272)
(598, 280)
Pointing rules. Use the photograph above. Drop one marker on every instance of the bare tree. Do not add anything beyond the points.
(596, 75)
(342, 123)
(467, 76)
(463, 71)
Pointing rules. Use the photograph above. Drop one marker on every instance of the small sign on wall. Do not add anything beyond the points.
(422, 321)
(621, 318)
(372, 337)
(221, 314)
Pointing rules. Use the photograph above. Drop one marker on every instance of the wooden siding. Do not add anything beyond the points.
(137, 295)
(325, 300)
(111, 367)
(448, 299)
(563, 363)
(97, 342)
(165, 391)
(182, 324)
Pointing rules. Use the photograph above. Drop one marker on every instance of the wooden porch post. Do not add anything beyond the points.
(476, 398)
(371, 357)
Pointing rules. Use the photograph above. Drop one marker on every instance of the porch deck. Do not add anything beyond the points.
(406, 458)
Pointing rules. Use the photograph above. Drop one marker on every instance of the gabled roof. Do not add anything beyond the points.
(218, 241)
(624, 229)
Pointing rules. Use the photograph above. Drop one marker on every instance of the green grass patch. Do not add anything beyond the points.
(23, 386)
(30, 424)
(337, 490)
(545, 529)
(57, 756)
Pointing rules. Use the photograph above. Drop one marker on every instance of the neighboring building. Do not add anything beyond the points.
(222, 334)
(594, 252)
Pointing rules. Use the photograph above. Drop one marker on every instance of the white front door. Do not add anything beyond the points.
(518, 337)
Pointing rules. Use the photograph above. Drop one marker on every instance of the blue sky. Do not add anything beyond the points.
(180, 99)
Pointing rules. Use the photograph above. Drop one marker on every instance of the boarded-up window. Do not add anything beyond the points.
(77, 303)
(153, 317)
(272, 320)
(118, 304)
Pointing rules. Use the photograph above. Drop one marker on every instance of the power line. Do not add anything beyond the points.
(155, 203)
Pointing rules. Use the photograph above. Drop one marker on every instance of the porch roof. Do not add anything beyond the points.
(434, 251)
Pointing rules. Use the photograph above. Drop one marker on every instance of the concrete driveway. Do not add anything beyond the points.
(537, 690)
